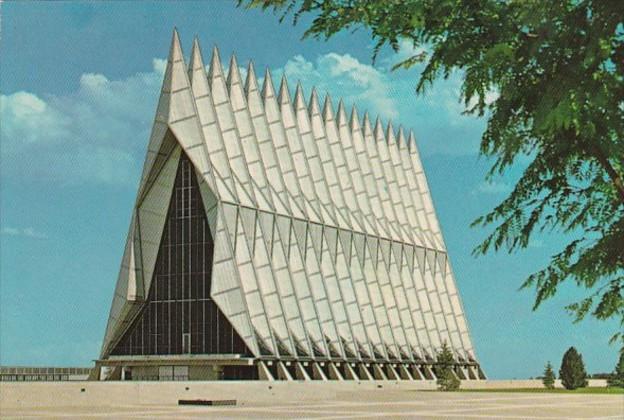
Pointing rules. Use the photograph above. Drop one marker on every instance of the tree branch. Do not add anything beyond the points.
(613, 174)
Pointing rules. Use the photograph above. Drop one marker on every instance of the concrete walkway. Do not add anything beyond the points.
(292, 400)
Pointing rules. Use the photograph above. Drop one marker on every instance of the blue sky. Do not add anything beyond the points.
(79, 84)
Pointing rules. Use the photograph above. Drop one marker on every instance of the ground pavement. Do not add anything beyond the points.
(352, 404)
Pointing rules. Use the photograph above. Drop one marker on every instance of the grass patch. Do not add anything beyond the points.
(588, 390)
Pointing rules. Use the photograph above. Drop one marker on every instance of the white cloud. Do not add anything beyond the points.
(96, 134)
(159, 65)
(452, 92)
(29, 232)
(28, 119)
(93, 81)
(343, 76)
(11, 231)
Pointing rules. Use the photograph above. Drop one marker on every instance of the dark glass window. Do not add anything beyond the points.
(178, 315)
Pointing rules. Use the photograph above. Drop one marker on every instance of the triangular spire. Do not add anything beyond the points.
(341, 115)
(284, 96)
(197, 77)
(314, 107)
(366, 125)
(299, 98)
(197, 61)
(378, 131)
(173, 80)
(354, 121)
(175, 51)
(389, 132)
(267, 87)
(251, 82)
(216, 79)
(235, 87)
(269, 97)
(390, 139)
(215, 69)
(328, 111)
(285, 104)
(233, 76)
(401, 140)
(411, 141)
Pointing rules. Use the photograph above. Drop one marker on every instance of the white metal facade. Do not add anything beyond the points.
(326, 239)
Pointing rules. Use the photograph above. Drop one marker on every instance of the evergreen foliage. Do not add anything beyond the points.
(558, 70)
(549, 377)
(447, 380)
(617, 379)
(572, 372)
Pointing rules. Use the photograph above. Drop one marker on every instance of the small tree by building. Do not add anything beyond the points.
(447, 380)
(617, 379)
(572, 372)
(549, 377)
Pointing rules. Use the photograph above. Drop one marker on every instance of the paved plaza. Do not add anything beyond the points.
(354, 404)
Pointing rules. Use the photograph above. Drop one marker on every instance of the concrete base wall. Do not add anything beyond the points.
(59, 394)
(53, 394)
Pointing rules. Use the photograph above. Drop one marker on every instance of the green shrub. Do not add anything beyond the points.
(549, 377)
(572, 372)
(617, 379)
(447, 380)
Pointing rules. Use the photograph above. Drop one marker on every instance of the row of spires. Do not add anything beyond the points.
(399, 137)
(247, 95)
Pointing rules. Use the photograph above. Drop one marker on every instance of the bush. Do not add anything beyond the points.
(447, 380)
(617, 379)
(549, 377)
(572, 372)
(600, 375)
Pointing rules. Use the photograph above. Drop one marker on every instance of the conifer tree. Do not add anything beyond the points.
(447, 380)
(572, 372)
(549, 377)
(617, 379)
